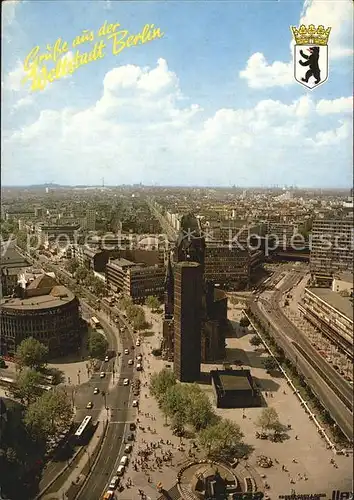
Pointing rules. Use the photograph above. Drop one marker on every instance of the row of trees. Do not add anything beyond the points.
(45, 413)
(135, 314)
(33, 417)
(188, 405)
(297, 378)
(86, 277)
(97, 345)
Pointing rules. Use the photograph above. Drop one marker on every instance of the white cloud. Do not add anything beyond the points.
(9, 11)
(337, 14)
(341, 105)
(332, 138)
(23, 102)
(141, 130)
(14, 78)
(260, 74)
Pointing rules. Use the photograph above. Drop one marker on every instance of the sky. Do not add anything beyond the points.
(211, 100)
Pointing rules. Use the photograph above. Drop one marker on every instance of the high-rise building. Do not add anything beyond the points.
(91, 220)
(188, 295)
(331, 248)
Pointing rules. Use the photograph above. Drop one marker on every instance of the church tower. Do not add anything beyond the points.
(169, 290)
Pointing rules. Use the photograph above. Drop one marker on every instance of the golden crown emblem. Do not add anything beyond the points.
(310, 35)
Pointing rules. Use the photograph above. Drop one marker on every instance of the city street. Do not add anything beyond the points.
(120, 413)
(313, 366)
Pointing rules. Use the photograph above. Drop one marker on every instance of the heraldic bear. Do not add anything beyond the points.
(312, 62)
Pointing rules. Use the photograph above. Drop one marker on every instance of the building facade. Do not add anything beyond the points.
(332, 314)
(138, 281)
(45, 311)
(91, 220)
(331, 248)
(188, 294)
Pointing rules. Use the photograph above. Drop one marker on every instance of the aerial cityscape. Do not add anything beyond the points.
(177, 236)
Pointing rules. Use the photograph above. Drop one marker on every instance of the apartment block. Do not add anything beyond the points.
(332, 314)
(331, 248)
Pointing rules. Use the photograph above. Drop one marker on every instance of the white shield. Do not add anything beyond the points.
(310, 67)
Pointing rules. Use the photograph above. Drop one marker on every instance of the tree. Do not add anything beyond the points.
(270, 364)
(160, 383)
(244, 322)
(125, 302)
(221, 438)
(97, 344)
(268, 420)
(200, 412)
(81, 273)
(99, 287)
(26, 387)
(152, 302)
(49, 414)
(31, 353)
(72, 266)
(255, 340)
(136, 315)
(174, 404)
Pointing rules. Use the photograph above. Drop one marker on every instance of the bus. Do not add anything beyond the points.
(95, 323)
(84, 429)
(109, 301)
(10, 382)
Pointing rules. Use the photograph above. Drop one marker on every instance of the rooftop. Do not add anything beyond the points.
(233, 380)
(345, 276)
(122, 262)
(343, 304)
(55, 298)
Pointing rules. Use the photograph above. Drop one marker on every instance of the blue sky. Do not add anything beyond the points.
(213, 102)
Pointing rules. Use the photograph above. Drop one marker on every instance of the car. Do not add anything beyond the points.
(96, 390)
(139, 367)
(139, 358)
(126, 381)
(120, 470)
(128, 448)
(106, 358)
(102, 375)
(132, 426)
(130, 437)
(126, 351)
(89, 405)
(114, 483)
(130, 362)
(109, 495)
(135, 403)
(137, 343)
(124, 460)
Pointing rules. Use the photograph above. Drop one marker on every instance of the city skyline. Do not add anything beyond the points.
(187, 109)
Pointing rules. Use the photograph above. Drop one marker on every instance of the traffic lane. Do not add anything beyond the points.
(86, 394)
(105, 466)
(338, 410)
(101, 472)
(297, 336)
(343, 386)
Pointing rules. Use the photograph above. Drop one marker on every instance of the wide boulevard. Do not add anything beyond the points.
(334, 392)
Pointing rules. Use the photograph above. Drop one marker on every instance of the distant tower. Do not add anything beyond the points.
(103, 182)
(188, 296)
(169, 290)
(91, 220)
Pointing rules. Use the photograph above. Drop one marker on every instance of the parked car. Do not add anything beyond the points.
(128, 448)
(102, 374)
(114, 483)
(120, 470)
(89, 405)
(96, 390)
